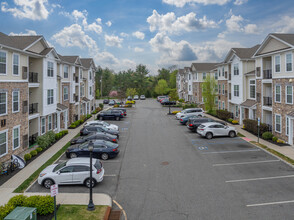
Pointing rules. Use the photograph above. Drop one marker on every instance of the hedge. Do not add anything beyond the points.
(251, 126)
(223, 114)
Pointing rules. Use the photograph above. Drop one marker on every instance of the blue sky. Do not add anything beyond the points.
(120, 34)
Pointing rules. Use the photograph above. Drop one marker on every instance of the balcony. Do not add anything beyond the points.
(33, 108)
(33, 77)
(33, 139)
(267, 101)
(77, 79)
(267, 74)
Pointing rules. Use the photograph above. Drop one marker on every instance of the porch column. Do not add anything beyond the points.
(58, 121)
(241, 115)
(290, 137)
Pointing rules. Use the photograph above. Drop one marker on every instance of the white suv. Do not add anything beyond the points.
(190, 111)
(211, 129)
(102, 123)
(73, 171)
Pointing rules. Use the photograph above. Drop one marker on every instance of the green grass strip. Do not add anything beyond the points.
(240, 135)
(278, 154)
(22, 187)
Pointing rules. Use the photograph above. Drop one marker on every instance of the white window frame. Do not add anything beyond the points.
(2, 51)
(252, 85)
(289, 71)
(277, 56)
(236, 111)
(236, 91)
(287, 127)
(90, 75)
(236, 69)
(215, 76)
(5, 104)
(18, 64)
(223, 89)
(64, 88)
(50, 123)
(219, 88)
(278, 115)
(189, 88)
(90, 91)
(50, 70)
(13, 137)
(50, 98)
(219, 104)
(1, 132)
(279, 94)
(64, 72)
(189, 76)
(43, 125)
(223, 71)
(286, 94)
(55, 121)
(224, 105)
(13, 111)
(203, 76)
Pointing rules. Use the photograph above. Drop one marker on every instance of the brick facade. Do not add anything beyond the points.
(197, 92)
(223, 97)
(258, 98)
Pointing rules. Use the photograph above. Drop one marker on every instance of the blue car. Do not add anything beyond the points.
(102, 149)
(185, 119)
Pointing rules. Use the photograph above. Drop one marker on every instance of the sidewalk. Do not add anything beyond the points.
(6, 190)
(285, 150)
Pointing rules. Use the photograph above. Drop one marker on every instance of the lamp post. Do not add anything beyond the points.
(91, 206)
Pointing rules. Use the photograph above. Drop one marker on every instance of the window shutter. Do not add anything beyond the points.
(25, 107)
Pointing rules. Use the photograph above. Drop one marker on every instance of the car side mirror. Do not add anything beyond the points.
(58, 172)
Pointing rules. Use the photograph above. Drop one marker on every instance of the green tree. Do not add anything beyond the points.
(107, 77)
(98, 94)
(131, 92)
(209, 92)
(173, 79)
(161, 87)
(173, 94)
(164, 74)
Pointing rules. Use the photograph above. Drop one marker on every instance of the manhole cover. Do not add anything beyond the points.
(165, 163)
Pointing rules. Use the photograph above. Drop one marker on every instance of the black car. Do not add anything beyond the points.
(121, 109)
(168, 102)
(193, 124)
(94, 136)
(105, 101)
(90, 129)
(102, 149)
(110, 114)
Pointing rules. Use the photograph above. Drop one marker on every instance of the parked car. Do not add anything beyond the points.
(168, 102)
(190, 111)
(94, 136)
(185, 119)
(73, 171)
(136, 97)
(212, 129)
(110, 114)
(129, 98)
(102, 149)
(161, 97)
(105, 101)
(193, 123)
(111, 102)
(102, 123)
(90, 129)
(124, 110)
(142, 97)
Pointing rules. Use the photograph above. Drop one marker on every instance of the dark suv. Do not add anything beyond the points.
(110, 114)
(124, 110)
(193, 124)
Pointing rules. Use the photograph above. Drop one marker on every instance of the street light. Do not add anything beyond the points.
(91, 206)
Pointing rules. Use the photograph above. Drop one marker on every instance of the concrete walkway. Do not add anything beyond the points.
(285, 150)
(6, 190)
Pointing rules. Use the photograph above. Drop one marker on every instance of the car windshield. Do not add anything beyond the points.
(201, 126)
(84, 145)
(110, 144)
(105, 123)
(59, 166)
(98, 165)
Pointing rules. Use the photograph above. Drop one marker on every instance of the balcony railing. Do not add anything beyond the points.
(77, 79)
(33, 77)
(267, 74)
(267, 101)
(33, 108)
(33, 139)
(230, 76)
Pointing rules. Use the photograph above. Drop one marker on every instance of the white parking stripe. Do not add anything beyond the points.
(111, 161)
(244, 163)
(270, 203)
(262, 178)
(231, 151)
(107, 175)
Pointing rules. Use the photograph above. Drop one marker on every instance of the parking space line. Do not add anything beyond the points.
(271, 203)
(231, 151)
(262, 178)
(244, 163)
(110, 175)
(111, 161)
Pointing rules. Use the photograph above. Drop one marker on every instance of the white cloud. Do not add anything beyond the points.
(240, 2)
(56, 6)
(181, 3)
(79, 14)
(30, 9)
(28, 33)
(113, 41)
(122, 34)
(234, 23)
(138, 34)
(94, 27)
(99, 20)
(251, 29)
(108, 23)
(169, 23)
(138, 49)
(283, 25)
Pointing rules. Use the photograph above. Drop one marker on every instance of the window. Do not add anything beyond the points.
(219, 89)
(277, 64)
(90, 75)
(90, 90)
(278, 93)
(223, 89)
(215, 76)
(50, 96)
(50, 69)
(287, 126)
(219, 104)
(49, 122)
(15, 64)
(43, 125)
(223, 105)
(215, 88)
(65, 71)
(236, 69)
(223, 72)
(204, 76)
(289, 62)
(16, 134)
(81, 74)
(3, 103)
(252, 89)
(3, 143)
(289, 95)
(237, 111)
(215, 100)
(15, 101)
(65, 93)
(55, 121)
(2, 62)
(278, 123)
(236, 90)
(189, 76)
(189, 87)
(219, 72)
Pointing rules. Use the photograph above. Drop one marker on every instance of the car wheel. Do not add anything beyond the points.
(232, 134)
(87, 182)
(208, 135)
(48, 183)
(73, 155)
(117, 118)
(104, 156)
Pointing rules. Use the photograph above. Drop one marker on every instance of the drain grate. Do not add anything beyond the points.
(115, 215)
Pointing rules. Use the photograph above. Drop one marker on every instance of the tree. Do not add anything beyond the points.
(97, 93)
(131, 92)
(164, 74)
(209, 92)
(161, 87)
(173, 79)
(173, 94)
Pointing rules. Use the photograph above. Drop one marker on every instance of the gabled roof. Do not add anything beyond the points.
(87, 62)
(204, 67)
(181, 71)
(288, 38)
(70, 59)
(18, 42)
(61, 107)
(187, 69)
(245, 53)
(248, 103)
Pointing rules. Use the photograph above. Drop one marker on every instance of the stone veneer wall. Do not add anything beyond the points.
(259, 102)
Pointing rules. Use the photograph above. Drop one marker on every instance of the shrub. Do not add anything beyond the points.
(51, 136)
(251, 126)
(274, 139)
(58, 136)
(116, 105)
(181, 100)
(280, 141)
(267, 135)
(83, 118)
(128, 106)
(101, 106)
(235, 122)
(130, 102)
(223, 114)
(72, 126)
(230, 120)
(44, 204)
(94, 112)
(27, 157)
(89, 116)
(5, 210)
(43, 141)
(39, 149)
(64, 132)
(17, 200)
(212, 112)
(33, 153)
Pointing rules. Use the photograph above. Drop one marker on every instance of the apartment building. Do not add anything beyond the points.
(188, 83)
(180, 83)
(223, 71)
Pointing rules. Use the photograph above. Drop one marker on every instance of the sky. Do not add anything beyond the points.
(120, 34)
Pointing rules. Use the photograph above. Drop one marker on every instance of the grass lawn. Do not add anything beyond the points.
(80, 212)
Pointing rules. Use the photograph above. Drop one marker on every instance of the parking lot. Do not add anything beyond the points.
(164, 171)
